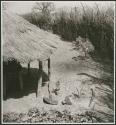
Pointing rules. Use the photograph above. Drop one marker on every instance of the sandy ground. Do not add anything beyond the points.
(65, 69)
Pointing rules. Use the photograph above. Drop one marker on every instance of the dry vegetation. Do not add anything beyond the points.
(93, 23)
(96, 28)
(52, 116)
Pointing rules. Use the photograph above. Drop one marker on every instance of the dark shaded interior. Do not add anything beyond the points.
(30, 80)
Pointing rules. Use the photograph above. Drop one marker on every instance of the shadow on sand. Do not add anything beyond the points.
(30, 82)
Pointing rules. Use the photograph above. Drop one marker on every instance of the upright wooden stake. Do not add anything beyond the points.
(29, 68)
(20, 80)
(40, 78)
(49, 75)
(49, 71)
(5, 79)
(4, 86)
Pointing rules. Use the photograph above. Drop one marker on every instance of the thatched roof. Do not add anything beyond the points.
(24, 41)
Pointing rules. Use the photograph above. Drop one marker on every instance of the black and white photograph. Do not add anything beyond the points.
(58, 62)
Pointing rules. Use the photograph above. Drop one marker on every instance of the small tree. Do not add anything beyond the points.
(43, 9)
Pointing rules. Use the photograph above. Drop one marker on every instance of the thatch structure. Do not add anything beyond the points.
(24, 41)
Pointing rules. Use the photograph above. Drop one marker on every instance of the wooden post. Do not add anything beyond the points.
(4, 86)
(5, 79)
(20, 80)
(28, 68)
(49, 75)
(40, 79)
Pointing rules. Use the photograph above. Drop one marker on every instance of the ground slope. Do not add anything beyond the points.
(75, 75)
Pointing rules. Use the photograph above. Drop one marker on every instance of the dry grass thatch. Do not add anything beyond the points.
(25, 42)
